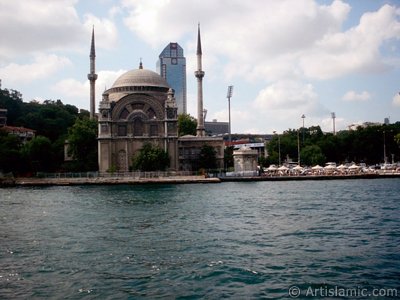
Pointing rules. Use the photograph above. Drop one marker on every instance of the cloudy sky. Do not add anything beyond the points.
(285, 58)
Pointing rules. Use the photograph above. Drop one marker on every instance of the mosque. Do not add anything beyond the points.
(140, 108)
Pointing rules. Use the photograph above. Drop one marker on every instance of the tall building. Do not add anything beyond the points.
(172, 66)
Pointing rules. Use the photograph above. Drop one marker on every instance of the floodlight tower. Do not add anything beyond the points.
(303, 117)
(229, 95)
(333, 121)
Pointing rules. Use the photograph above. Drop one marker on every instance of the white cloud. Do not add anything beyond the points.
(327, 124)
(354, 96)
(143, 18)
(237, 115)
(280, 105)
(29, 27)
(286, 95)
(115, 11)
(76, 92)
(42, 67)
(72, 88)
(36, 25)
(105, 31)
(271, 39)
(396, 100)
(355, 50)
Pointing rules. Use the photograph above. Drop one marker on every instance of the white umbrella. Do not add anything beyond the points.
(342, 167)
(298, 168)
(354, 167)
(330, 168)
(283, 168)
(317, 167)
(272, 168)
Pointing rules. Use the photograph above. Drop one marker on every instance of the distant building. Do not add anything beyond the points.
(190, 147)
(363, 125)
(216, 128)
(172, 67)
(24, 134)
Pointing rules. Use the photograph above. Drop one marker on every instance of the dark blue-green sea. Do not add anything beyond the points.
(250, 240)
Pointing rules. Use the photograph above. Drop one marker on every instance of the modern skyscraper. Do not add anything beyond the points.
(172, 66)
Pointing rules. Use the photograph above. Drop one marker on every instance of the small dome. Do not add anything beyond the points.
(140, 77)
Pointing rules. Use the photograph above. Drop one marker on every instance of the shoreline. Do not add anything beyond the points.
(112, 181)
(311, 177)
(32, 182)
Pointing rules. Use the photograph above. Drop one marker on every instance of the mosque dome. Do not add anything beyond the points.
(140, 77)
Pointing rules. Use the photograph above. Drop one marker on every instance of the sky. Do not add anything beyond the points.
(285, 58)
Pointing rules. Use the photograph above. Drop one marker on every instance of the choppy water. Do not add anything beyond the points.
(238, 240)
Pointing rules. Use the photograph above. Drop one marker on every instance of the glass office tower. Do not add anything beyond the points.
(172, 66)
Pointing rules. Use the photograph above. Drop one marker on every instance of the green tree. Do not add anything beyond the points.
(208, 158)
(397, 139)
(228, 157)
(82, 140)
(12, 101)
(288, 146)
(51, 119)
(262, 161)
(312, 155)
(186, 125)
(10, 156)
(38, 153)
(150, 158)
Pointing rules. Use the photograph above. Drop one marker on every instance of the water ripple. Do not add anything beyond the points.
(233, 240)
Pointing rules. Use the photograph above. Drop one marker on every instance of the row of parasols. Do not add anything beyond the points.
(328, 169)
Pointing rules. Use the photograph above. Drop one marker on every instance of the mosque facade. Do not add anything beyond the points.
(141, 108)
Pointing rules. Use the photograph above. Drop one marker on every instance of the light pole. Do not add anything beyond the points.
(333, 121)
(303, 117)
(279, 149)
(384, 147)
(298, 147)
(229, 95)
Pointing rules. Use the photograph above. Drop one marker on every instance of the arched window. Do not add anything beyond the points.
(138, 127)
(153, 130)
(151, 114)
(124, 114)
(121, 130)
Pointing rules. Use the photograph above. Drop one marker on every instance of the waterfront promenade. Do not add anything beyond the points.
(112, 180)
(178, 179)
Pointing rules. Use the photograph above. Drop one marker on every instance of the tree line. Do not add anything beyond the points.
(54, 123)
(366, 145)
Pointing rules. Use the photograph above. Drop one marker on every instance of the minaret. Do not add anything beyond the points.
(92, 76)
(199, 75)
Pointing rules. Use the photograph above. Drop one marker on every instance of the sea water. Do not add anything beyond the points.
(250, 240)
